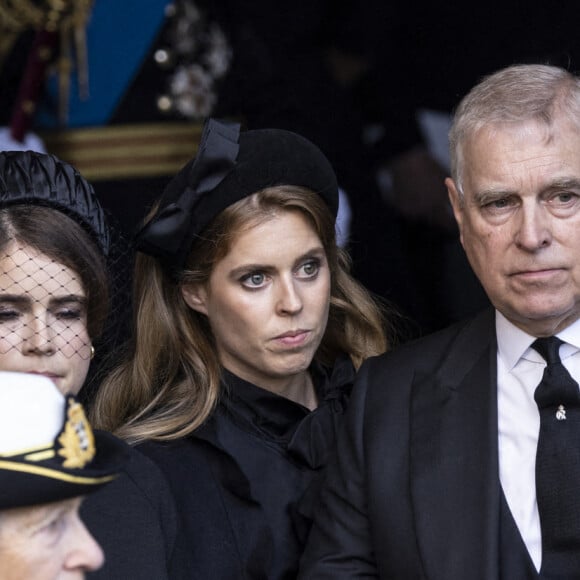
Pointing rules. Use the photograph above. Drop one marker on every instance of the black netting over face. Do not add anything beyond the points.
(63, 318)
(43, 317)
(64, 273)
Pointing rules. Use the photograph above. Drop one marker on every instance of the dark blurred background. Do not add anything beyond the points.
(373, 83)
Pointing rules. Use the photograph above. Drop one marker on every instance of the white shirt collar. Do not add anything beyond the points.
(512, 342)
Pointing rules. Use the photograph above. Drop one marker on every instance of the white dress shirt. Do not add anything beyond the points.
(519, 371)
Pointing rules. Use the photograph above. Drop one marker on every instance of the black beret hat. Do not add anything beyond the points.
(29, 177)
(231, 165)
(48, 451)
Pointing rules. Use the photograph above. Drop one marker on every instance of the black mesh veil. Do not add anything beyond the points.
(64, 296)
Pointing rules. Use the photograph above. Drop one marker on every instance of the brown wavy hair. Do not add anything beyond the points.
(169, 381)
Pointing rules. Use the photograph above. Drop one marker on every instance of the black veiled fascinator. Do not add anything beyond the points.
(28, 177)
(229, 166)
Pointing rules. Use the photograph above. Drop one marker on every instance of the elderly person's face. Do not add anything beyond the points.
(520, 221)
(46, 542)
(43, 319)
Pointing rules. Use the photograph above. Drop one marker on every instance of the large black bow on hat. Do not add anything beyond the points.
(165, 235)
(230, 165)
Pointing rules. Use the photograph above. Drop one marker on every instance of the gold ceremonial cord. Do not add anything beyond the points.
(54, 474)
(68, 18)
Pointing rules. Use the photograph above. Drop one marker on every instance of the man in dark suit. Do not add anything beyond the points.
(440, 472)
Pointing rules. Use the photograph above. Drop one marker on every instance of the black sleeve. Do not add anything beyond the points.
(134, 520)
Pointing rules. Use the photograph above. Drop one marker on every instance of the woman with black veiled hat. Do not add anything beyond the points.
(54, 301)
(248, 330)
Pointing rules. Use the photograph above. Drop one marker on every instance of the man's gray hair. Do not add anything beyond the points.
(515, 94)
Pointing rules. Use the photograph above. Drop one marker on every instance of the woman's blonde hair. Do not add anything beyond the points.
(169, 382)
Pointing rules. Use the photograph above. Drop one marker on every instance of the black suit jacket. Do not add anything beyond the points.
(414, 491)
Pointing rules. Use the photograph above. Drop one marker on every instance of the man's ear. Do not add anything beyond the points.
(195, 296)
(457, 203)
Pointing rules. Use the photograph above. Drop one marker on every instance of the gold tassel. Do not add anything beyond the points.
(67, 17)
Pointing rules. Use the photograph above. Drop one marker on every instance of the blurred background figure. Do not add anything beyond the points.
(49, 460)
(372, 84)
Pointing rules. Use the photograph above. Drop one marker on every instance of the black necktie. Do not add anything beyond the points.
(558, 465)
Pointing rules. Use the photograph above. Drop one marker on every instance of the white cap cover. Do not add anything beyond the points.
(31, 412)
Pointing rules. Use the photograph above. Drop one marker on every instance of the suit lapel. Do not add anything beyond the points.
(454, 464)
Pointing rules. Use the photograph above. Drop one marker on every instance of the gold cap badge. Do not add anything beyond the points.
(77, 439)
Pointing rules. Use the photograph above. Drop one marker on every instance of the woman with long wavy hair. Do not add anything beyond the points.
(248, 330)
